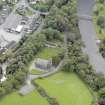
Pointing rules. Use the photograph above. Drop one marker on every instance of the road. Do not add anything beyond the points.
(89, 35)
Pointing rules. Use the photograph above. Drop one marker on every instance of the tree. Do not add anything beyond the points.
(102, 1)
(56, 60)
(20, 77)
(52, 34)
(7, 86)
(99, 81)
(101, 93)
(101, 21)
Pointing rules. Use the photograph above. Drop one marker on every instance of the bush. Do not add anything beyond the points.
(101, 93)
(101, 1)
(101, 21)
(42, 92)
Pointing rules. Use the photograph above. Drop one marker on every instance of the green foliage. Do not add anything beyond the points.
(102, 48)
(52, 34)
(42, 92)
(101, 93)
(43, 6)
(25, 53)
(17, 69)
(101, 1)
(56, 60)
(58, 19)
(101, 21)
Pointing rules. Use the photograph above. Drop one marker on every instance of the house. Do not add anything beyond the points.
(43, 64)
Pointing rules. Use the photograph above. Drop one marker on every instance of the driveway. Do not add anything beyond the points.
(89, 35)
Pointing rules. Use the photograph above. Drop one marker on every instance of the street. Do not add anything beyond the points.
(89, 35)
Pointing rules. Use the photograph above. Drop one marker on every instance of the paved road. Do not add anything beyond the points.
(89, 35)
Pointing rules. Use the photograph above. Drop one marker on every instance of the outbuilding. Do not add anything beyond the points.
(43, 64)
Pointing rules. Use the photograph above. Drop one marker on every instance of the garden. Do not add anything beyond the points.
(46, 53)
(66, 88)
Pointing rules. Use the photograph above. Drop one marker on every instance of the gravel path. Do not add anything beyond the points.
(89, 35)
(29, 87)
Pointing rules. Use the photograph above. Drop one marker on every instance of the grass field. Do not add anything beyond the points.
(48, 53)
(31, 99)
(67, 88)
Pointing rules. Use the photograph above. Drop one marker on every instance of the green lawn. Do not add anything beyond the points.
(48, 53)
(67, 88)
(31, 99)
